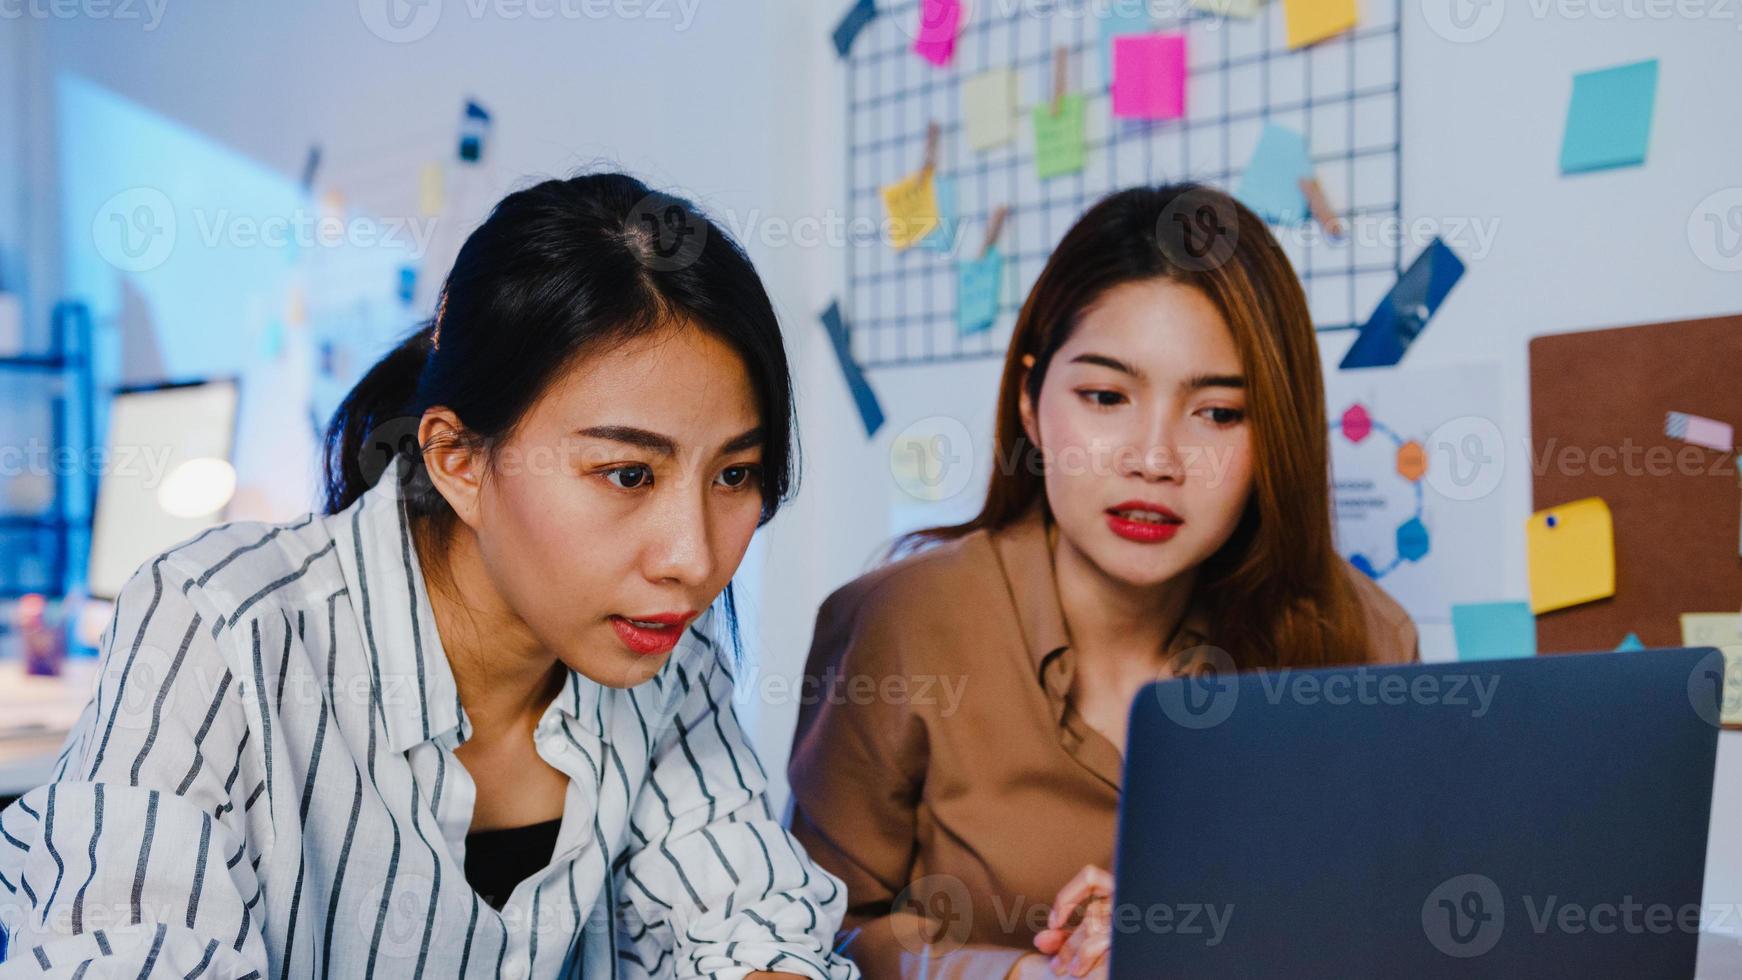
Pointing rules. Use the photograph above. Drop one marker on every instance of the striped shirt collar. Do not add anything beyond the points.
(417, 696)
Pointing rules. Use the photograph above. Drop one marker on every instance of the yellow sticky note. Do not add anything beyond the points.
(912, 206)
(1572, 554)
(429, 189)
(989, 108)
(1724, 631)
(1311, 21)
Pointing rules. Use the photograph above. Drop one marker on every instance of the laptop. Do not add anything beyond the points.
(1508, 818)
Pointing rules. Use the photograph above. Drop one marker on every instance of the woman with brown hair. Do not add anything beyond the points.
(1159, 505)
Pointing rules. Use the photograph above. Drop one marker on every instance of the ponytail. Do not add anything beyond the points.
(360, 446)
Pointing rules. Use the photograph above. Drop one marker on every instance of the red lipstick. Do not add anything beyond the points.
(1143, 522)
(651, 635)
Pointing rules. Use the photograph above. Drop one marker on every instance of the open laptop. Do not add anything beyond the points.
(1507, 818)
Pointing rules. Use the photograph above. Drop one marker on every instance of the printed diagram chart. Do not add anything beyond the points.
(1421, 475)
(1358, 427)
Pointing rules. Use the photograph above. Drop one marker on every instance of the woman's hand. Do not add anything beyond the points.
(1079, 930)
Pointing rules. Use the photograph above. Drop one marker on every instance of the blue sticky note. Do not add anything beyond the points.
(1271, 184)
(1404, 312)
(1630, 645)
(407, 284)
(943, 237)
(474, 127)
(852, 22)
(1122, 18)
(978, 284)
(1494, 630)
(1609, 121)
(870, 412)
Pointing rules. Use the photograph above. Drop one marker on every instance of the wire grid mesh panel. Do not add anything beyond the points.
(1344, 94)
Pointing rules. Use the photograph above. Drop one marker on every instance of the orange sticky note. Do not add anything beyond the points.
(1572, 554)
(912, 207)
(1311, 21)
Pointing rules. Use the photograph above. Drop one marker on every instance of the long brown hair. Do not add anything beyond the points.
(1277, 594)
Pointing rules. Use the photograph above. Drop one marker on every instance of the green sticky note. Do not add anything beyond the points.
(977, 288)
(1494, 630)
(1609, 121)
(1058, 137)
(1230, 8)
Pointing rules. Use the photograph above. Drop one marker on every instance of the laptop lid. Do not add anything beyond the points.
(1540, 817)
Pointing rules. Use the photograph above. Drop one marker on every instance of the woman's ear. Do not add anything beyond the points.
(1025, 404)
(455, 465)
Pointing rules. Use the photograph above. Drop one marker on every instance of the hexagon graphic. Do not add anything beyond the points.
(1412, 541)
(1357, 424)
(1412, 461)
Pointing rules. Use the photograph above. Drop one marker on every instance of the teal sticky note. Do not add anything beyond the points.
(1630, 645)
(1122, 18)
(1494, 630)
(978, 283)
(1609, 121)
(1271, 184)
(943, 237)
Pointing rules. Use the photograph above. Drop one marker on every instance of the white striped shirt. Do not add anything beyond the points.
(264, 785)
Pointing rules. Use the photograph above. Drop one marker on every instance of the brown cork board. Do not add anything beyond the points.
(1677, 507)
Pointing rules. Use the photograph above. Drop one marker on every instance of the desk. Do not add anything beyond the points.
(36, 713)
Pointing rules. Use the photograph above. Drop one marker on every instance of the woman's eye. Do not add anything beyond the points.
(737, 477)
(1103, 399)
(1225, 416)
(629, 477)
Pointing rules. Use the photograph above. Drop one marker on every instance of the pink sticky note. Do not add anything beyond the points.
(1149, 76)
(1709, 433)
(938, 23)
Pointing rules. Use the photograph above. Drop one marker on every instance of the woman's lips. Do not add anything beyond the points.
(651, 635)
(1143, 522)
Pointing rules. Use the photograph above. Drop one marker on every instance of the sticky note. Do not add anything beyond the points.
(1609, 120)
(407, 284)
(1311, 21)
(1629, 644)
(912, 208)
(1271, 184)
(1571, 549)
(1720, 630)
(1700, 431)
(429, 189)
(1058, 138)
(1494, 630)
(978, 284)
(1121, 18)
(870, 412)
(943, 237)
(1149, 76)
(935, 40)
(1405, 311)
(989, 109)
(1231, 8)
(851, 23)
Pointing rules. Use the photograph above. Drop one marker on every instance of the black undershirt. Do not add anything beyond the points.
(498, 860)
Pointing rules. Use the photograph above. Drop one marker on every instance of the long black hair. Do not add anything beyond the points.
(559, 270)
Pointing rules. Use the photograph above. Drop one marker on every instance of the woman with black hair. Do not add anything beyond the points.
(476, 719)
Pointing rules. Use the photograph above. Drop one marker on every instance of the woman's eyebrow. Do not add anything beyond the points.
(631, 436)
(1107, 361)
(1198, 382)
(664, 445)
